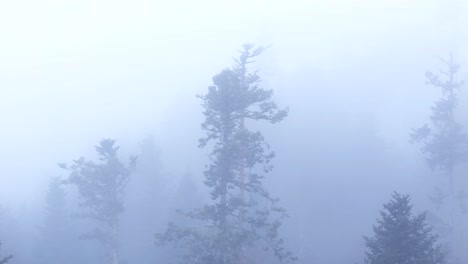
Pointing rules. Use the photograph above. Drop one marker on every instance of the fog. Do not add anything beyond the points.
(352, 74)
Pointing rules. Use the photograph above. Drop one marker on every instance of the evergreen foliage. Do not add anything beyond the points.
(402, 238)
(102, 188)
(444, 142)
(242, 217)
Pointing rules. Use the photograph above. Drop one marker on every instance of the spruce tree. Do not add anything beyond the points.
(242, 216)
(102, 188)
(402, 238)
(444, 143)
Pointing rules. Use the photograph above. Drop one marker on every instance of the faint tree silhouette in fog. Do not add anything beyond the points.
(444, 143)
(55, 231)
(102, 188)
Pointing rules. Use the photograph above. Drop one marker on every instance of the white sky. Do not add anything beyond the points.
(72, 72)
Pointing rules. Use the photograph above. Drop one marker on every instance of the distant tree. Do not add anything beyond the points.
(243, 216)
(401, 238)
(143, 214)
(186, 196)
(5, 259)
(56, 229)
(102, 187)
(444, 142)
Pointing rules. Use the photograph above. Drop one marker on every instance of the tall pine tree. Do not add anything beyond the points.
(445, 146)
(242, 217)
(444, 142)
(102, 188)
(401, 238)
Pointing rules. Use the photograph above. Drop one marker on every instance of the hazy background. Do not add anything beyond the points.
(351, 72)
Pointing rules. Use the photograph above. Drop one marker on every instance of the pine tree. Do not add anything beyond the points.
(102, 187)
(401, 238)
(242, 217)
(444, 142)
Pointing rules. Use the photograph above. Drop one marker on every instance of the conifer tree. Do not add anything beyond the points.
(444, 142)
(242, 217)
(402, 238)
(146, 205)
(102, 188)
(56, 229)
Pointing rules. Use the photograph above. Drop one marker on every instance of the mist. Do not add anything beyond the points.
(350, 73)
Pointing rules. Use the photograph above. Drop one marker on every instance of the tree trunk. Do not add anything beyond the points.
(114, 256)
